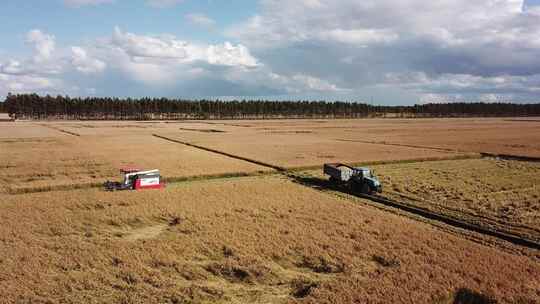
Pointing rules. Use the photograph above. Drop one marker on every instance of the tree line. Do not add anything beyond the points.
(33, 106)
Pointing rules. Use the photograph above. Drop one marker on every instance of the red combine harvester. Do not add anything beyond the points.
(136, 179)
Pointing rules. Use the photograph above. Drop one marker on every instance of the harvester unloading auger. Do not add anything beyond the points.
(136, 179)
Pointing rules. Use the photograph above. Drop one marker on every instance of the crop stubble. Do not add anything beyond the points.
(240, 240)
(504, 191)
(259, 239)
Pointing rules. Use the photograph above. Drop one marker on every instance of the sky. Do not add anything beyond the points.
(392, 52)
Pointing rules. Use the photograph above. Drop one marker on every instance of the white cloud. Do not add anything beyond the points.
(287, 84)
(456, 49)
(360, 36)
(43, 44)
(310, 83)
(230, 55)
(460, 46)
(165, 61)
(43, 61)
(12, 67)
(200, 20)
(29, 84)
(166, 51)
(147, 46)
(44, 71)
(84, 63)
(462, 87)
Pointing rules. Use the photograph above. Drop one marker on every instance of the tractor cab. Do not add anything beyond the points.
(363, 172)
(367, 178)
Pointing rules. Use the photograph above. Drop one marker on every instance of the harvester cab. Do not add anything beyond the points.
(136, 179)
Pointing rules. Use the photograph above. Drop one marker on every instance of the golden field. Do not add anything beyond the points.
(66, 160)
(213, 237)
(515, 136)
(503, 194)
(500, 189)
(243, 240)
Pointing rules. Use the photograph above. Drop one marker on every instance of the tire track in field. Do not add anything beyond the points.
(455, 222)
(478, 217)
(416, 211)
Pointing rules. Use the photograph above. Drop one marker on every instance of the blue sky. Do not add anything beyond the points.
(392, 52)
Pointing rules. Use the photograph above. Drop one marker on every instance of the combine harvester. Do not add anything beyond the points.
(136, 179)
(356, 179)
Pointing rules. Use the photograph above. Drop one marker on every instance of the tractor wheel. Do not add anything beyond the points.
(366, 189)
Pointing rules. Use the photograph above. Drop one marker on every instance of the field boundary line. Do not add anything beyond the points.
(203, 130)
(484, 154)
(60, 130)
(397, 161)
(180, 179)
(253, 161)
(404, 145)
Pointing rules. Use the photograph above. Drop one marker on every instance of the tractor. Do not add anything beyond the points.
(356, 179)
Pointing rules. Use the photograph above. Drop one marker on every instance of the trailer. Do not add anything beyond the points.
(136, 179)
(358, 179)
